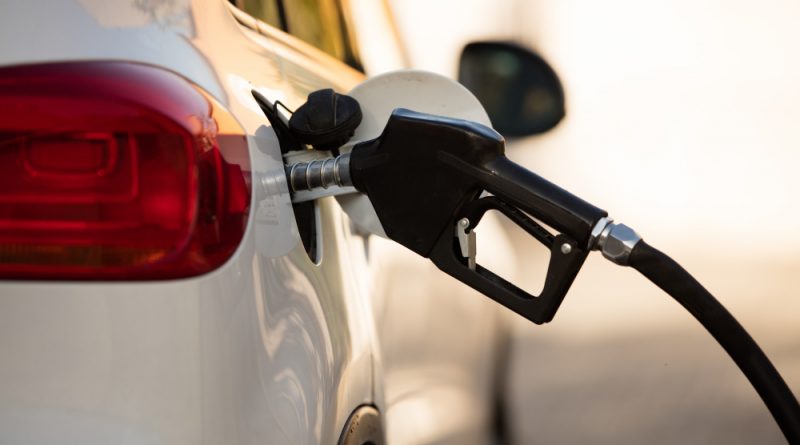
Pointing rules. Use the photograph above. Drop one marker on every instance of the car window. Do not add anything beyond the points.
(317, 22)
(268, 11)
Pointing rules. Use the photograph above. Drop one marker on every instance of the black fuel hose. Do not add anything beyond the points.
(665, 273)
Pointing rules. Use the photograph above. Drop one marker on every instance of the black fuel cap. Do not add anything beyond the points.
(326, 121)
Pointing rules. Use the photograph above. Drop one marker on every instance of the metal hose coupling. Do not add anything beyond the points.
(615, 241)
(320, 173)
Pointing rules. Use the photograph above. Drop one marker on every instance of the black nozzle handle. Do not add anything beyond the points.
(425, 177)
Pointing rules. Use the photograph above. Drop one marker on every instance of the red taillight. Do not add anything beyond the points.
(116, 171)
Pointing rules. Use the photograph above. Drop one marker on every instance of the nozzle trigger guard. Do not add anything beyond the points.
(566, 259)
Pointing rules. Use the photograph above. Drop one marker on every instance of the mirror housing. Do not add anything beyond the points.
(520, 91)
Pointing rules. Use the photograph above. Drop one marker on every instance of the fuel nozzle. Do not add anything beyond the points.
(430, 178)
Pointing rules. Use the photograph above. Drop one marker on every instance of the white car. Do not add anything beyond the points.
(159, 287)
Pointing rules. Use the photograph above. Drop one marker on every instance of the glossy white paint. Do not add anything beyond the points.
(270, 348)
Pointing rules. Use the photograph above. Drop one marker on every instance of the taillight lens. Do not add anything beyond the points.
(116, 171)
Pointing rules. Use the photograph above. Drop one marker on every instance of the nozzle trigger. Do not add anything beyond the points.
(456, 257)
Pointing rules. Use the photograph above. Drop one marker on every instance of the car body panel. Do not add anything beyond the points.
(269, 348)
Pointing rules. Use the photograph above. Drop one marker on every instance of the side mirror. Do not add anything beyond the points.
(520, 91)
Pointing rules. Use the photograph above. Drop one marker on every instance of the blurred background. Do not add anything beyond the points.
(682, 123)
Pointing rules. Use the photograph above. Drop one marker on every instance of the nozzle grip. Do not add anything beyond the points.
(565, 262)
